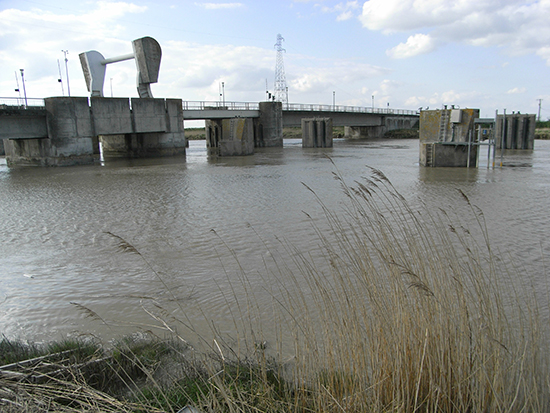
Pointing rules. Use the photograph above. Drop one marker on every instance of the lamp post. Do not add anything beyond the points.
(223, 94)
(66, 52)
(24, 89)
(333, 100)
(373, 103)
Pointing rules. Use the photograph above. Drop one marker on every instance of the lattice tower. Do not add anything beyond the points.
(281, 90)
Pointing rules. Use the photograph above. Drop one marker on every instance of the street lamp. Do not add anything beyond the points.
(24, 89)
(66, 52)
(373, 102)
(333, 100)
(223, 94)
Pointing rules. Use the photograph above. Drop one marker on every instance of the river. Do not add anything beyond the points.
(62, 272)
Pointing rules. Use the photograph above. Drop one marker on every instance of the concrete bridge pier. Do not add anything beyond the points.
(268, 128)
(317, 133)
(230, 137)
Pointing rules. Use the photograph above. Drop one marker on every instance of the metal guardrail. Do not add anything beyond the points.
(203, 105)
(347, 109)
(20, 102)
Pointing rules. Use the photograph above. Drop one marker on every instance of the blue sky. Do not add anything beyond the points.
(486, 54)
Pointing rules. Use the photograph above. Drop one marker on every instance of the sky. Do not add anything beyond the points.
(405, 54)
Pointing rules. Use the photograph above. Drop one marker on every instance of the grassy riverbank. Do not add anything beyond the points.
(404, 311)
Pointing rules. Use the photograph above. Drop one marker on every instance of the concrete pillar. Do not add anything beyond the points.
(269, 126)
(230, 137)
(317, 133)
(363, 132)
(519, 132)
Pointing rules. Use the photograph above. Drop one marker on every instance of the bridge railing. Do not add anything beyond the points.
(347, 109)
(202, 105)
(20, 102)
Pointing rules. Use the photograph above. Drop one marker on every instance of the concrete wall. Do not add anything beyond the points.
(519, 131)
(230, 137)
(317, 133)
(23, 123)
(69, 142)
(436, 154)
(268, 128)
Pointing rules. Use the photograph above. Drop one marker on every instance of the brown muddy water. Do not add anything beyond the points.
(62, 273)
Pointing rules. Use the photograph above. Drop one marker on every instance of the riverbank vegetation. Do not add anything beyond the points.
(400, 310)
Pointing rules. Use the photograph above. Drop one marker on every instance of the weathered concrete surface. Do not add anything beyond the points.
(69, 137)
(269, 126)
(519, 131)
(317, 133)
(143, 145)
(23, 123)
(230, 137)
(436, 154)
(438, 126)
(447, 136)
(69, 128)
(111, 116)
(156, 130)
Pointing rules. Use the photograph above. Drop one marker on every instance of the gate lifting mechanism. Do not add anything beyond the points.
(147, 54)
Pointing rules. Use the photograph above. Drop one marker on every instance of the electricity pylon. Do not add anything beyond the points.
(281, 89)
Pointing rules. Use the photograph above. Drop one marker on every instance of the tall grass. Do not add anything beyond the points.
(415, 313)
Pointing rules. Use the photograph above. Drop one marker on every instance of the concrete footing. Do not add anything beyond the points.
(317, 133)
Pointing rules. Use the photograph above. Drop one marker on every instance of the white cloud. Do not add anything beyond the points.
(345, 11)
(519, 26)
(415, 45)
(516, 91)
(218, 6)
(325, 78)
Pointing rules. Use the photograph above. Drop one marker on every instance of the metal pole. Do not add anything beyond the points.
(66, 52)
(469, 148)
(502, 138)
(223, 94)
(495, 137)
(333, 100)
(60, 78)
(373, 103)
(17, 90)
(24, 89)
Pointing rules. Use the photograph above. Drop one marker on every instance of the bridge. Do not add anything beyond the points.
(67, 130)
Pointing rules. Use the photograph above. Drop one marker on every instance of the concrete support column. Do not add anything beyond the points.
(317, 133)
(269, 126)
(363, 132)
(519, 132)
(230, 137)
